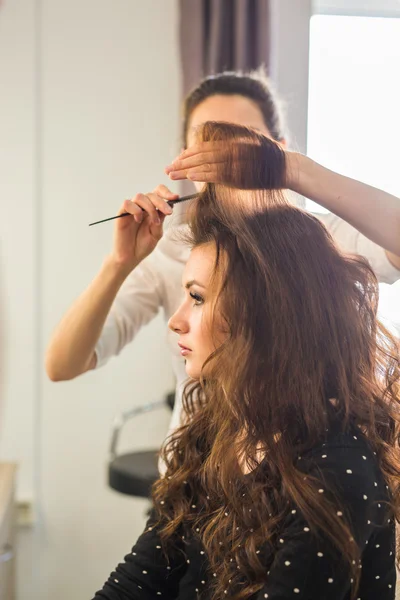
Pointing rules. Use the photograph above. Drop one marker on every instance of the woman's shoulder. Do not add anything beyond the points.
(348, 460)
(348, 442)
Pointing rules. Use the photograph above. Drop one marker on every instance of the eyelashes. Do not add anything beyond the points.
(198, 300)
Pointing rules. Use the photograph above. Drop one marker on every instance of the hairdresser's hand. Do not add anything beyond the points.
(136, 236)
(239, 164)
(202, 162)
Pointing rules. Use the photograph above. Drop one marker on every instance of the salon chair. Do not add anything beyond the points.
(135, 472)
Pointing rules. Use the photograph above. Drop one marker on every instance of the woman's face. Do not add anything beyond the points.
(197, 321)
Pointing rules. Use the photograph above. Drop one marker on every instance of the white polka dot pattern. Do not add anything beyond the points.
(302, 564)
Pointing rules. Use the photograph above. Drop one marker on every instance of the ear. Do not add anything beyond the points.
(283, 143)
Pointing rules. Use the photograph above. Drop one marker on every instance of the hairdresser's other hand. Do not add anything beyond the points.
(136, 236)
(239, 164)
(202, 162)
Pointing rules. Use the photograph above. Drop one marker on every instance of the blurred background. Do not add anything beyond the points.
(90, 95)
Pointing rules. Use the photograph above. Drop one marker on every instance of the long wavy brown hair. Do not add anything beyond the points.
(302, 331)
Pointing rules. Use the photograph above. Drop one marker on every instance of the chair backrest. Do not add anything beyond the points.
(134, 473)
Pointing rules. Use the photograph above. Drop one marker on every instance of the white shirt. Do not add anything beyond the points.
(389, 307)
(157, 283)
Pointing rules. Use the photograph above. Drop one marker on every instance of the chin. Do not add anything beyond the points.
(192, 371)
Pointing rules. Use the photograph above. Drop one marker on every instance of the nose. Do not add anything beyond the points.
(178, 323)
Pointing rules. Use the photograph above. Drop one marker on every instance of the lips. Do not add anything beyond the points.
(184, 349)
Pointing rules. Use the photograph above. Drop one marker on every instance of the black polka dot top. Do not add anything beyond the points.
(301, 566)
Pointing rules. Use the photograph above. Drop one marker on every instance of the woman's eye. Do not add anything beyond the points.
(197, 298)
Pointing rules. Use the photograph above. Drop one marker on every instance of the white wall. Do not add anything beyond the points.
(19, 326)
(17, 236)
(89, 115)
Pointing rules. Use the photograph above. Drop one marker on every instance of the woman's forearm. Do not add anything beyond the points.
(375, 213)
(71, 350)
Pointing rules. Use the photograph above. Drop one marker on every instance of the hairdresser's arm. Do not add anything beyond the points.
(373, 212)
(71, 350)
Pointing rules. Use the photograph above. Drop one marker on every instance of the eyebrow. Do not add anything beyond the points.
(193, 282)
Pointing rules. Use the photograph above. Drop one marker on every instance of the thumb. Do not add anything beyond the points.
(165, 193)
(157, 230)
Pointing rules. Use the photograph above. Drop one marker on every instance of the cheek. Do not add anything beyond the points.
(201, 332)
(206, 336)
(220, 329)
(198, 326)
(212, 335)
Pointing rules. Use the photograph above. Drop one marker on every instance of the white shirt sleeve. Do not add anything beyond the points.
(137, 302)
(389, 307)
(350, 240)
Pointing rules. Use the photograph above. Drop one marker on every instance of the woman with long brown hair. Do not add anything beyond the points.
(283, 481)
(127, 293)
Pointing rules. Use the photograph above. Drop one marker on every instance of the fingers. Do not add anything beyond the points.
(133, 209)
(194, 172)
(159, 203)
(164, 192)
(201, 162)
(190, 161)
(147, 204)
(201, 159)
(202, 176)
(156, 229)
(203, 147)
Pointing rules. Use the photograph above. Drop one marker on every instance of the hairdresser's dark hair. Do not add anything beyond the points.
(254, 85)
(302, 329)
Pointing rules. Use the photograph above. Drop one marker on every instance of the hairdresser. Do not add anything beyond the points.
(143, 271)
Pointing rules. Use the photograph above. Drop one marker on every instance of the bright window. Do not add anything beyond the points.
(354, 98)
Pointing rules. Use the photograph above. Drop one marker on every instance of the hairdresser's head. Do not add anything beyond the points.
(240, 98)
